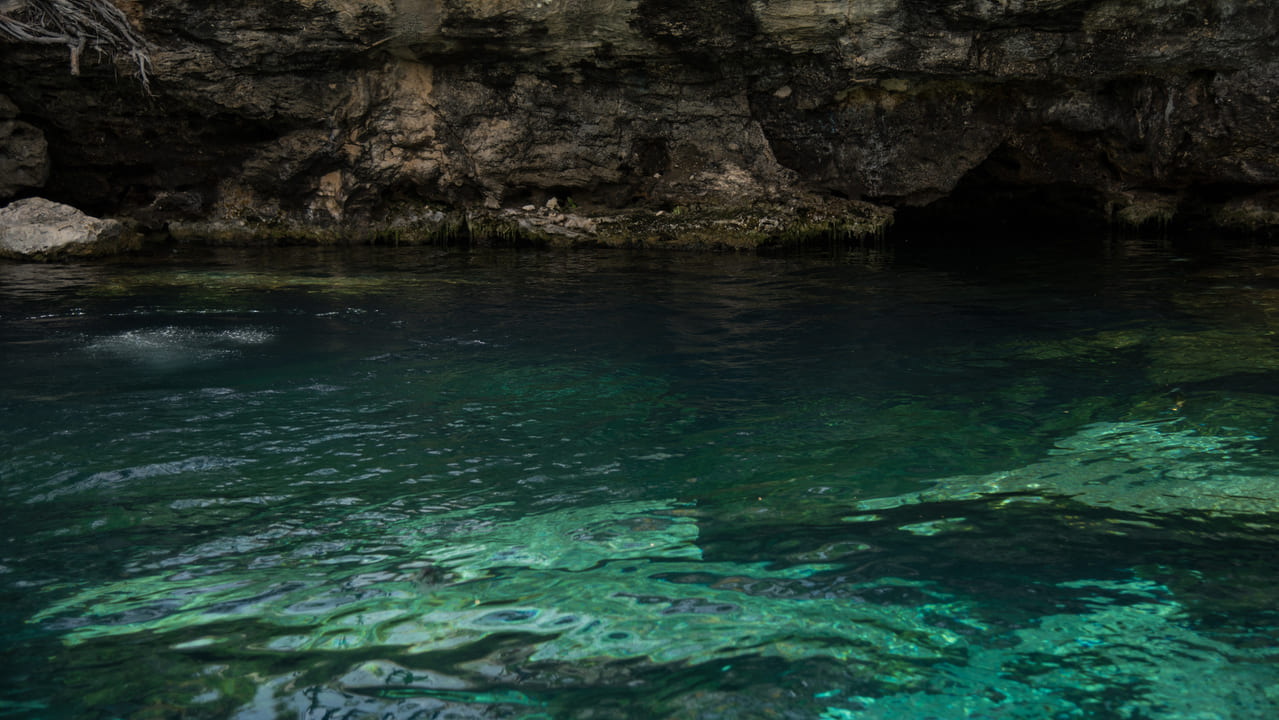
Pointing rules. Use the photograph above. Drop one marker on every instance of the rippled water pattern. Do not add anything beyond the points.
(386, 483)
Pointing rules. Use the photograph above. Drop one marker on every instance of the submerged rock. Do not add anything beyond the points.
(1144, 468)
(40, 229)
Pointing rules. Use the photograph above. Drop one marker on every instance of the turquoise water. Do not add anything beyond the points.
(327, 483)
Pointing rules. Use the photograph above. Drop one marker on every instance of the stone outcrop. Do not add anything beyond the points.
(435, 117)
(39, 229)
(24, 154)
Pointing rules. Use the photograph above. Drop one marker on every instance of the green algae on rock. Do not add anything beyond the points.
(758, 226)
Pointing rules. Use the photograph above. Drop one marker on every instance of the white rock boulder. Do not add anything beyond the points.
(40, 229)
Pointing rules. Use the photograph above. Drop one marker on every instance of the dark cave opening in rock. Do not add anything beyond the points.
(1005, 213)
(1007, 196)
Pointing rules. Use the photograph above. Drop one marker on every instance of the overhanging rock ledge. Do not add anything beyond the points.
(743, 122)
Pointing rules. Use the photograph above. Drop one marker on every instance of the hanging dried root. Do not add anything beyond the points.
(77, 24)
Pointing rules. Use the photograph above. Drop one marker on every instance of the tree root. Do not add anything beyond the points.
(78, 24)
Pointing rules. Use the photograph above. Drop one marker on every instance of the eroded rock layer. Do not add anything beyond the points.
(746, 117)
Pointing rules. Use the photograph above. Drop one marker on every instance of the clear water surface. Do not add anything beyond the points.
(336, 483)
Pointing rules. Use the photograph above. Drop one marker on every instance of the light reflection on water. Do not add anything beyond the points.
(314, 483)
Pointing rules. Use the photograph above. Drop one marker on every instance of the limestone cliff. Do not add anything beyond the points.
(753, 117)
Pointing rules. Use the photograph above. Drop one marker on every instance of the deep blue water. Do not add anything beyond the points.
(419, 483)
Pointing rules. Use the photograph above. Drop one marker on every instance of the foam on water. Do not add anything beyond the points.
(176, 346)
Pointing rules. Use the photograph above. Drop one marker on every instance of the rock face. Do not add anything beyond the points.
(39, 229)
(24, 154)
(417, 114)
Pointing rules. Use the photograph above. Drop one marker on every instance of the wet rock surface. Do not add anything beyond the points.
(322, 118)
